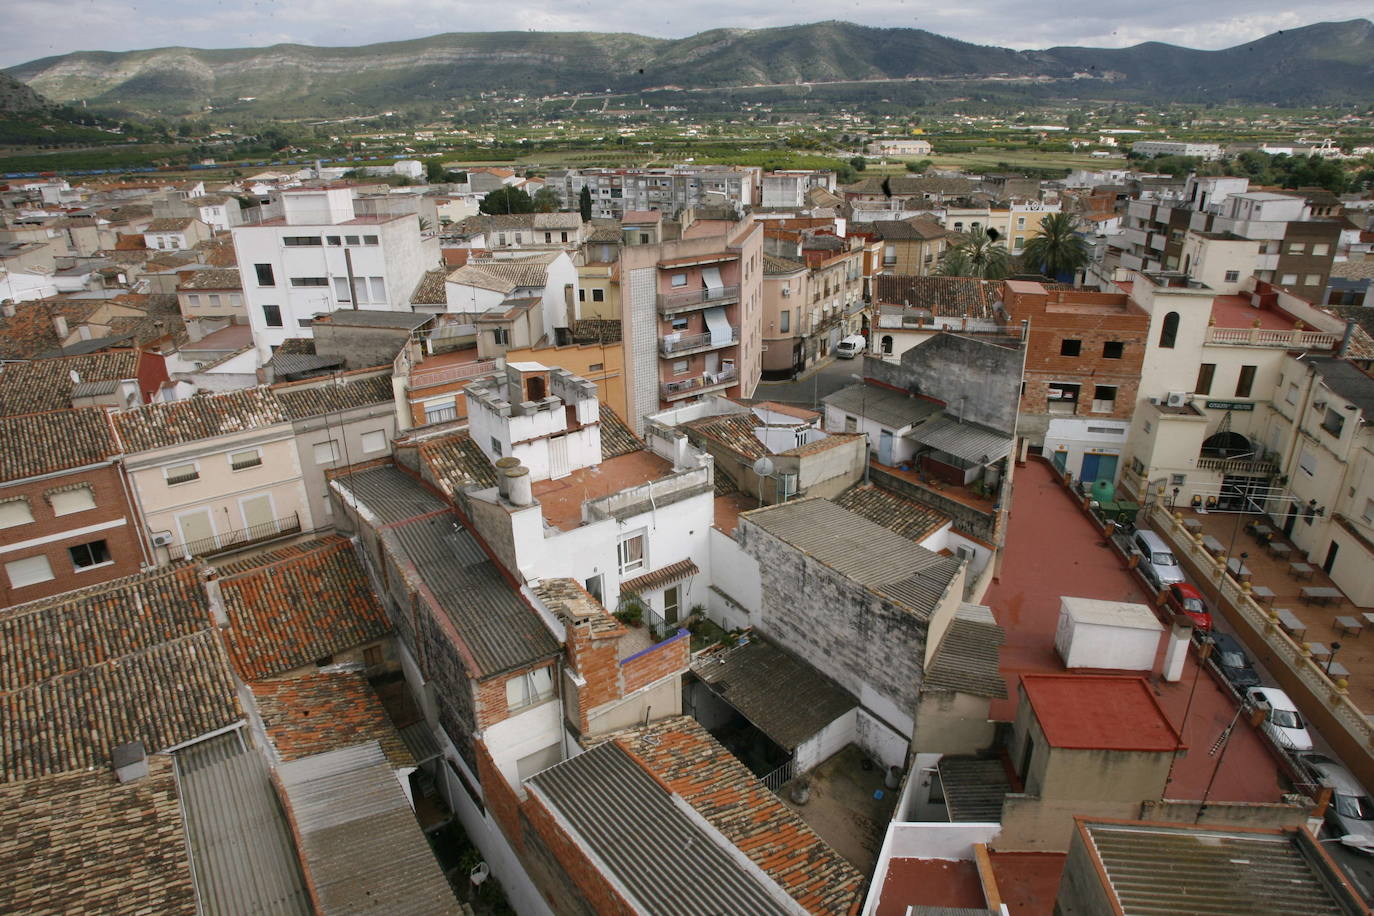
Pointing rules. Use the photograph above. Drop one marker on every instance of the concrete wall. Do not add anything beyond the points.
(1237, 814)
(980, 381)
(828, 741)
(966, 519)
(952, 723)
(736, 594)
(359, 348)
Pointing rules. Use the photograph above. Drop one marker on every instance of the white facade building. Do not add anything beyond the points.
(1205, 151)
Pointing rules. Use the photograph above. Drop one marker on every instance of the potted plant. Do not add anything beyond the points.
(631, 613)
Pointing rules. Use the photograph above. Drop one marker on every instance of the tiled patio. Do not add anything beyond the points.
(1271, 569)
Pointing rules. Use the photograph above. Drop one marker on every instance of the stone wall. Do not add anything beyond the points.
(978, 380)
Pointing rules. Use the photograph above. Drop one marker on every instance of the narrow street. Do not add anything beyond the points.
(813, 385)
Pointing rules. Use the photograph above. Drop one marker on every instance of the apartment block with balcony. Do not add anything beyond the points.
(616, 192)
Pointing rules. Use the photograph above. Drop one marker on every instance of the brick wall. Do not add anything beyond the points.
(593, 889)
(670, 657)
(111, 504)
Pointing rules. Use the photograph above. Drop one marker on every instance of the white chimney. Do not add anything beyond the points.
(1176, 652)
(502, 481)
(130, 761)
(521, 490)
(7, 307)
(59, 323)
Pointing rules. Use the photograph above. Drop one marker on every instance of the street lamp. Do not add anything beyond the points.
(1335, 647)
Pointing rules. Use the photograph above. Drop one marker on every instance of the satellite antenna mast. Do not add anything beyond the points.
(763, 468)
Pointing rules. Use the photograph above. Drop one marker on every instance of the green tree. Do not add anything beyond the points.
(545, 200)
(506, 200)
(981, 254)
(435, 173)
(918, 165)
(584, 203)
(859, 163)
(954, 263)
(1058, 250)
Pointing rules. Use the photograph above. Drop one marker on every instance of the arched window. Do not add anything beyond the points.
(1168, 331)
(887, 343)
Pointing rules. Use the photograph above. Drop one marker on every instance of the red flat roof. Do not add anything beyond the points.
(1099, 712)
(930, 882)
(1237, 312)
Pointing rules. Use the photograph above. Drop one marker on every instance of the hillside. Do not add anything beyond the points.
(1331, 62)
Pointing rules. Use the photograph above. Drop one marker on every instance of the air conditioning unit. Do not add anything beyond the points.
(162, 539)
(1156, 401)
(1177, 398)
(789, 485)
(786, 293)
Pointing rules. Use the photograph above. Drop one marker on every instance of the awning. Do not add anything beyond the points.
(659, 578)
(711, 277)
(967, 441)
(718, 325)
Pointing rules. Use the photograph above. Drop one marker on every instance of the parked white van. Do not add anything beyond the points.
(851, 346)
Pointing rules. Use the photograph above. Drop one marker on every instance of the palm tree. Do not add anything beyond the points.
(1058, 250)
(980, 254)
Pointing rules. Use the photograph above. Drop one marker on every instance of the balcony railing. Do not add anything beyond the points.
(685, 300)
(1268, 337)
(1232, 466)
(681, 387)
(683, 342)
(428, 378)
(241, 537)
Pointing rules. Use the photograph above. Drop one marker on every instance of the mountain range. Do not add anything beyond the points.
(1321, 63)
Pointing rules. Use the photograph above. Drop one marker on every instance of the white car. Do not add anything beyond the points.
(1282, 723)
(851, 346)
(1351, 811)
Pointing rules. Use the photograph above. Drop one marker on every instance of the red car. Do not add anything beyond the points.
(1185, 599)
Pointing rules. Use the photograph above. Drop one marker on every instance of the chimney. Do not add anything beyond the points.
(1176, 652)
(1349, 335)
(130, 761)
(521, 490)
(502, 481)
(59, 323)
(7, 307)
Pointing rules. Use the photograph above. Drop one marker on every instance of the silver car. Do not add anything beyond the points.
(1351, 812)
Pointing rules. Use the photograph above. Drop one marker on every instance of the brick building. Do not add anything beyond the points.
(66, 518)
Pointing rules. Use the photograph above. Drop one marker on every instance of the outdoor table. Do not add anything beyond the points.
(1301, 570)
(1193, 525)
(1292, 624)
(1239, 570)
(1318, 649)
(1212, 545)
(1335, 670)
(1261, 533)
(1263, 594)
(1368, 618)
(1279, 549)
(1314, 594)
(1351, 625)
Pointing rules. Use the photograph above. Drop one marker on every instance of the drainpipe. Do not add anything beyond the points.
(352, 287)
(1349, 335)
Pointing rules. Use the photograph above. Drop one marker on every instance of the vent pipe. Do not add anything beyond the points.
(503, 465)
(1349, 336)
(521, 489)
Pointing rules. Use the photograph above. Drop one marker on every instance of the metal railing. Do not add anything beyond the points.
(428, 378)
(442, 415)
(775, 780)
(174, 479)
(697, 298)
(1238, 467)
(705, 380)
(241, 537)
(669, 345)
(1269, 337)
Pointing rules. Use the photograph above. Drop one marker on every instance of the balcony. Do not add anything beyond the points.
(681, 344)
(240, 538)
(443, 375)
(693, 299)
(1264, 468)
(698, 384)
(1269, 337)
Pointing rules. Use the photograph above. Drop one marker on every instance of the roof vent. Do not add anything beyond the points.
(130, 761)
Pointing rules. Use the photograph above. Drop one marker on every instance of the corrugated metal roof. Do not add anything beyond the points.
(362, 844)
(967, 658)
(969, 441)
(389, 495)
(867, 553)
(752, 677)
(975, 790)
(618, 812)
(1158, 869)
(884, 406)
(419, 740)
(295, 363)
(241, 848)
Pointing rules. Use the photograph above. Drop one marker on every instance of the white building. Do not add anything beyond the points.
(900, 148)
(312, 254)
(788, 189)
(1206, 151)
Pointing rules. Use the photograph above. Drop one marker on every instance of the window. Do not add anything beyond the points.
(15, 512)
(353, 239)
(496, 446)
(1368, 514)
(248, 458)
(630, 552)
(1291, 396)
(66, 502)
(1333, 422)
(193, 300)
(1297, 248)
(304, 322)
(594, 587)
(682, 367)
(1070, 347)
(500, 337)
(180, 473)
(28, 571)
(302, 241)
(581, 295)
(1307, 462)
(1062, 397)
(1245, 382)
(672, 604)
(378, 289)
(548, 238)
(1232, 276)
(529, 688)
(644, 238)
(1168, 331)
(374, 441)
(214, 301)
(1288, 280)
(1020, 242)
(678, 279)
(271, 315)
(441, 411)
(341, 289)
(309, 281)
(596, 367)
(369, 240)
(680, 323)
(785, 321)
(889, 255)
(1311, 279)
(1205, 373)
(562, 236)
(500, 238)
(1113, 349)
(265, 275)
(326, 451)
(86, 556)
(1177, 480)
(335, 240)
(598, 295)
(1020, 222)
(1104, 398)
(1320, 249)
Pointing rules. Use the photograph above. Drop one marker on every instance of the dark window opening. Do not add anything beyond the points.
(1070, 347)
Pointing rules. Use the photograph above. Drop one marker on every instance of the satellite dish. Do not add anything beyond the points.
(764, 466)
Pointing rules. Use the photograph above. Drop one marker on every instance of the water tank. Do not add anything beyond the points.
(1104, 491)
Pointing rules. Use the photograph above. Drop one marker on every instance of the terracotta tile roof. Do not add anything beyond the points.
(310, 398)
(457, 463)
(218, 252)
(31, 332)
(896, 513)
(213, 279)
(247, 563)
(163, 425)
(616, 437)
(597, 330)
(774, 266)
(681, 754)
(45, 443)
(834, 440)
(320, 712)
(567, 598)
(734, 431)
(943, 297)
(505, 274)
(299, 609)
(169, 224)
(430, 290)
(85, 843)
(916, 228)
(660, 578)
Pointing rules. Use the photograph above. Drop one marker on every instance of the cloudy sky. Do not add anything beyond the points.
(40, 28)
